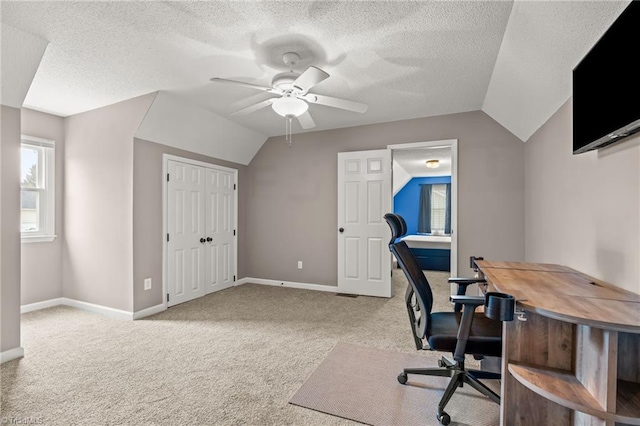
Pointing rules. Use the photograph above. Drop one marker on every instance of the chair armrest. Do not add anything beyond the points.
(463, 283)
(470, 304)
(466, 281)
(472, 301)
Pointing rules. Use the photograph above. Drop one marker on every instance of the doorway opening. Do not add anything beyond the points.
(425, 193)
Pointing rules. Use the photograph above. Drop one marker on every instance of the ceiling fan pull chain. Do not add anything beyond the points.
(287, 130)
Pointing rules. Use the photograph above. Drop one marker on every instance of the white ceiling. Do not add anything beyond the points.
(405, 59)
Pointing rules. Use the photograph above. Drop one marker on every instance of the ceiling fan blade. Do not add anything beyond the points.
(254, 107)
(309, 78)
(306, 121)
(336, 102)
(242, 83)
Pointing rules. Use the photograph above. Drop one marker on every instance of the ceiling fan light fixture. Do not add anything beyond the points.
(433, 164)
(289, 106)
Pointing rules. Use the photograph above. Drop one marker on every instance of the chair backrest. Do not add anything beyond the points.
(398, 226)
(412, 270)
(403, 225)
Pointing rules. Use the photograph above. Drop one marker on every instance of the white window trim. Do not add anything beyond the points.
(48, 215)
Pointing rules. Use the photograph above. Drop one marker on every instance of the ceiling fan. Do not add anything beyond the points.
(293, 93)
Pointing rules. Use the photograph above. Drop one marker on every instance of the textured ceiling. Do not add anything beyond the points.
(405, 59)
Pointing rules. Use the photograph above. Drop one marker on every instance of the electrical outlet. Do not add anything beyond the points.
(299, 264)
(147, 283)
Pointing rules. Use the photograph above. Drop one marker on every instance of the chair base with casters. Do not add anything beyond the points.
(448, 367)
(459, 376)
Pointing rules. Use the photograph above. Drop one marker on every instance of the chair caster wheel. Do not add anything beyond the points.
(443, 418)
(402, 378)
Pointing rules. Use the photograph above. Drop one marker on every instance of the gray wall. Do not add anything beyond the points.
(583, 210)
(147, 217)
(10, 228)
(292, 200)
(41, 263)
(97, 256)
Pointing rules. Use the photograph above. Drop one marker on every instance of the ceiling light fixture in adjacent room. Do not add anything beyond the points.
(433, 164)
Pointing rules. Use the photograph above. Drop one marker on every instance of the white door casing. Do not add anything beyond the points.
(364, 197)
(185, 226)
(200, 211)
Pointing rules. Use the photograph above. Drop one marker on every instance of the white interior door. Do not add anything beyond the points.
(364, 197)
(220, 229)
(186, 232)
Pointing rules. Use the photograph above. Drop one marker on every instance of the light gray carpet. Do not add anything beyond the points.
(360, 383)
(234, 357)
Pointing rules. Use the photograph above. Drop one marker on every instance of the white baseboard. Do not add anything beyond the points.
(11, 354)
(98, 309)
(125, 315)
(241, 281)
(289, 284)
(91, 307)
(149, 311)
(41, 305)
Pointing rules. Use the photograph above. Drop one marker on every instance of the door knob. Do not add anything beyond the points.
(341, 230)
(202, 240)
(209, 239)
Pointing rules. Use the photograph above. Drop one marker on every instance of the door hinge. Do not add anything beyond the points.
(234, 232)
(167, 237)
(167, 297)
(234, 186)
(167, 177)
(234, 278)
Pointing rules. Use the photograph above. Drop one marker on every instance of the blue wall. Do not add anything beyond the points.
(407, 201)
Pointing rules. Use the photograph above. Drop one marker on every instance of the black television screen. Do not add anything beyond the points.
(606, 86)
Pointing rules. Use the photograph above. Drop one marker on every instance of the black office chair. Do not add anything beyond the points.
(460, 333)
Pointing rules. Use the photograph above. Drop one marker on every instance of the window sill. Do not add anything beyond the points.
(38, 238)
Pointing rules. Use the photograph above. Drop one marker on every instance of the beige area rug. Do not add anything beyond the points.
(360, 383)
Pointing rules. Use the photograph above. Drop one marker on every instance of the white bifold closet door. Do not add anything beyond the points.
(201, 231)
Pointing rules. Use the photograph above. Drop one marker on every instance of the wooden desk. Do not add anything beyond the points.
(575, 360)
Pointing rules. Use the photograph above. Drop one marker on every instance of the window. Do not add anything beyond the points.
(37, 195)
(434, 212)
(438, 207)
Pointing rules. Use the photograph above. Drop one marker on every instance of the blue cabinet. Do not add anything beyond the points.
(433, 259)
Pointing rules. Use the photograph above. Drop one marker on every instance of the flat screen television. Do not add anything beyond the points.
(606, 86)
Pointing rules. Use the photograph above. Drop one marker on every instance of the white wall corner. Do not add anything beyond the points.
(174, 122)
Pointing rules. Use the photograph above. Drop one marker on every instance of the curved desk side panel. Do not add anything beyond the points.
(574, 361)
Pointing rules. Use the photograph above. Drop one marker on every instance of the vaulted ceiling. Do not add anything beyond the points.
(404, 59)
